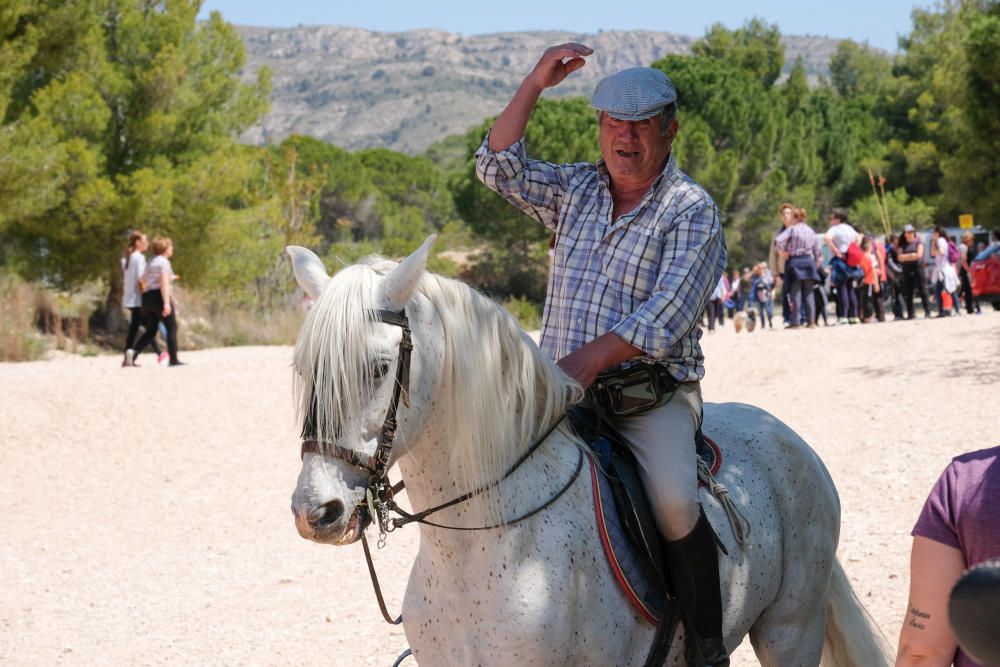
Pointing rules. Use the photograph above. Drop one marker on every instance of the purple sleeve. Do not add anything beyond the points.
(938, 520)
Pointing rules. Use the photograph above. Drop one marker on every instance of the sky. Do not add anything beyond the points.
(877, 22)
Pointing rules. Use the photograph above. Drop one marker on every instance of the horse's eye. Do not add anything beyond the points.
(380, 370)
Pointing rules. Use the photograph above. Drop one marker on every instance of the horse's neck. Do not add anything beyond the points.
(431, 482)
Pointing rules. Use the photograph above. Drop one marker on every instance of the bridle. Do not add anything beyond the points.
(380, 493)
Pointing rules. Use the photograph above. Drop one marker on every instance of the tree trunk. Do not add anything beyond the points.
(113, 317)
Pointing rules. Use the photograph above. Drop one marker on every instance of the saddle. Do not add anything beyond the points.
(638, 560)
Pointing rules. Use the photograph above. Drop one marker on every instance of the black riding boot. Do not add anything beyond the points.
(699, 587)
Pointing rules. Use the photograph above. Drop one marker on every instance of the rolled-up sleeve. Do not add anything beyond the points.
(694, 257)
(533, 186)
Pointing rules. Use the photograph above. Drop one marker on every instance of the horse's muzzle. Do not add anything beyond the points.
(330, 523)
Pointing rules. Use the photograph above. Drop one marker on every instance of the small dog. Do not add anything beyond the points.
(745, 319)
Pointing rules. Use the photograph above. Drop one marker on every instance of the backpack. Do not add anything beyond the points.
(854, 255)
(953, 255)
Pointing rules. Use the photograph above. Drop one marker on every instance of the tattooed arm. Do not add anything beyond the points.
(926, 638)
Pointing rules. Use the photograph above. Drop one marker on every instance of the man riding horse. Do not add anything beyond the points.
(638, 250)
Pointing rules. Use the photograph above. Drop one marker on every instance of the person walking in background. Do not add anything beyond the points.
(157, 302)
(820, 297)
(731, 302)
(133, 267)
(776, 263)
(967, 253)
(799, 246)
(715, 308)
(761, 291)
(843, 274)
(743, 296)
(910, 253)
(945, 277)
(958, 527)
(894, 275)
(871, 288)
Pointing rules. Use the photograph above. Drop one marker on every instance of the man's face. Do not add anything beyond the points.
(635, 150)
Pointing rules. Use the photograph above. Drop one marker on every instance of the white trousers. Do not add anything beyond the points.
(662, 440)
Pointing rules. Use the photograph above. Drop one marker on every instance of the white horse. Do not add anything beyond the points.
(539, 591)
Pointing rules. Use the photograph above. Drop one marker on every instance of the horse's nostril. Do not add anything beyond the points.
(329, 513)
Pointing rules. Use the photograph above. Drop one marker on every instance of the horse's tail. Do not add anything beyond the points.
(853, 638)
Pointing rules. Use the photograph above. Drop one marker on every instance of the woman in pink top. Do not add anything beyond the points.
(959, 527)
(157, 303)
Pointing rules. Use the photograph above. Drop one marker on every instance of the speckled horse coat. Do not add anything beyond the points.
(540, 592)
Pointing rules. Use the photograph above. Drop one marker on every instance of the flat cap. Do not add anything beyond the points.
(909, 228)
(636, 93)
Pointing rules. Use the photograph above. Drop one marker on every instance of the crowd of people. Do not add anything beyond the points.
(865, 276)
(147, 295)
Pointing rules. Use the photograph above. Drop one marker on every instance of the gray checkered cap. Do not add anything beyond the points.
(636, 93)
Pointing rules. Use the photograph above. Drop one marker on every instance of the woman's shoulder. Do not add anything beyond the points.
(981, 458)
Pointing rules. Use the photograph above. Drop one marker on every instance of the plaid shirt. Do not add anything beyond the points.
(799, 240)
(645, 276)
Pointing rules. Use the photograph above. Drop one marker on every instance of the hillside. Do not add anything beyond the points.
(404, 91)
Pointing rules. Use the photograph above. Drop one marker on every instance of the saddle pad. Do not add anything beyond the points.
(627, 566)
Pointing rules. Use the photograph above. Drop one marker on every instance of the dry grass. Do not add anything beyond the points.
(34, 321)
(19, 336)
(207, 321)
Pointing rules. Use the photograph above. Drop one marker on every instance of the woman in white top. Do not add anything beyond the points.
(715, 309)
(133, 266)
(839, 238)
(945, 276)
(157, 305)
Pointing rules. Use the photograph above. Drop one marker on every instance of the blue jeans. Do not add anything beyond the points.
(845, 279)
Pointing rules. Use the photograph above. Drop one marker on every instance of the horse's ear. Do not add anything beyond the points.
(398, 285)
(309, 270)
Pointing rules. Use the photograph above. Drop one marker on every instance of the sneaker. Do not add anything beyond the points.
(811, 325)
(852, 320)
(128, 361)
(842, 320)
(163, 359)
(177, 363)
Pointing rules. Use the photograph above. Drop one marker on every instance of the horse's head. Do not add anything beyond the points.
(352, 352)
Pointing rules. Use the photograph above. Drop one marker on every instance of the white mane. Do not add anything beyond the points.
(498, 391)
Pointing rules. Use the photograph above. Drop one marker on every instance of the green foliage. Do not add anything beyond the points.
(901, 209)
(527, 313)
(118, 114)
(858, 70)
(754, 49)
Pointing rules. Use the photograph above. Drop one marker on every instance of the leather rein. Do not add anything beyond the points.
(380, 493)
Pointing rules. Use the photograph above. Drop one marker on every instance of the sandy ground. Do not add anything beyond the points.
(145, 512)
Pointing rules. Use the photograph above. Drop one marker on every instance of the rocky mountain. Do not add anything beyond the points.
(357, 88)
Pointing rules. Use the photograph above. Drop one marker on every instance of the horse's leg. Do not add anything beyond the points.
(790, 632)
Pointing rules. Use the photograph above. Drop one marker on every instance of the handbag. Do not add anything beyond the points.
(636, 388)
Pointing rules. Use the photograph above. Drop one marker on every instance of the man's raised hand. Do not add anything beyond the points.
(557, 63)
